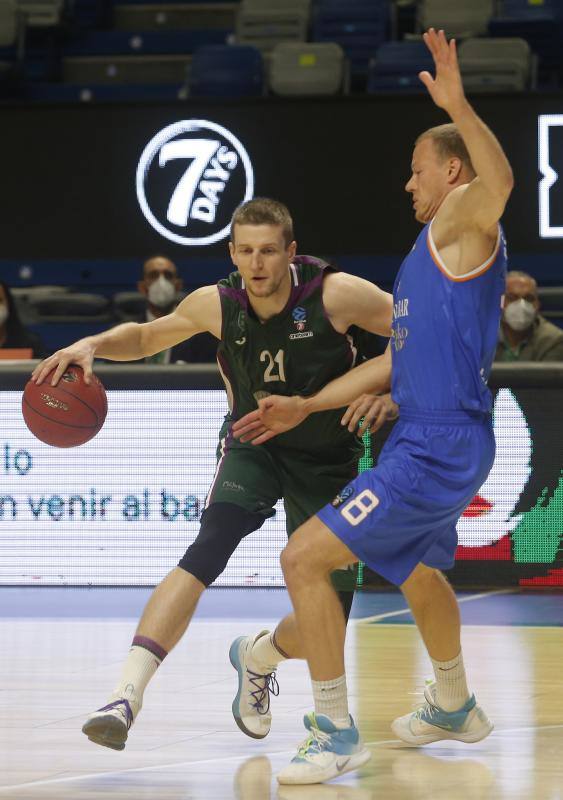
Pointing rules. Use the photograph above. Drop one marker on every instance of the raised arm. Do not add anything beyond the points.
(198, 312)
(481, 202)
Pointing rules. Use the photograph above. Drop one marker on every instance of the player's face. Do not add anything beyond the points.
(429, 182)
(261, 256)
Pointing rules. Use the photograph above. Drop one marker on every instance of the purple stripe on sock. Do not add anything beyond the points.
(150, 645)
(278, 648)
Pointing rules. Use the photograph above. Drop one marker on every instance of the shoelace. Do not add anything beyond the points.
(428, 709)
(126, 710)
(314, 743)
(265, 685)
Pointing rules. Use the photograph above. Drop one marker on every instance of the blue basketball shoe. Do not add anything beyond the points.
(430, 723)
(327, 752)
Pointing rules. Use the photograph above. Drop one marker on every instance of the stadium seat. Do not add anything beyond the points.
(8, 23)
(181, 42)
(307, 69)
(126, 70)
(496, 65)
(105, 93)
(41, 13)
(71, 306)
(396, 66)
(358, 26)
(551, 303)
(461, 18)
(530, 9)
(227, 71)
(129, 305)
(265, 23)
(541, 25)
(174, 16)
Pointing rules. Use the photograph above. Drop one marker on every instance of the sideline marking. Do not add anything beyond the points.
(246, 757)
(388, 614)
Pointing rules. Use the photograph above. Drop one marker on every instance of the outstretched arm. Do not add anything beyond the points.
(277, 414)
(198, 312)
(482, 201)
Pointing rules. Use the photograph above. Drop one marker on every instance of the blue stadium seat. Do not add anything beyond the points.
(227, 71)
(396, 66)
(358, 26)
(525, 9)
(541, 25)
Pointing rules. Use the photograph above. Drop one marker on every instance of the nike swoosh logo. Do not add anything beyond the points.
(341, 764)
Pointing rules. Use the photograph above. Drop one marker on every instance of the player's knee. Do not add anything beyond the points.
(290, 561)
(223, 525)
(418, 587)
(300, 561)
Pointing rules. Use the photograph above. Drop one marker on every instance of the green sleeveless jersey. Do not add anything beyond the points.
(296, 352)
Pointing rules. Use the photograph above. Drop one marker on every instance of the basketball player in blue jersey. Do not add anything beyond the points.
(400, 517)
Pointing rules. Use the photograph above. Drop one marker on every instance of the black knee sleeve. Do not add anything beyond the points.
(223, 526)
(346, 599)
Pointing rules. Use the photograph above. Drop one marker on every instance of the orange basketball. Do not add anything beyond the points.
(68, 414)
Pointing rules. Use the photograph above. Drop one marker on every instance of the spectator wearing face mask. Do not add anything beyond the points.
(160, 284)
(524, 334)
(13, 334)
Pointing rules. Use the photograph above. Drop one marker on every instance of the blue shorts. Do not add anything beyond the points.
(404, 511)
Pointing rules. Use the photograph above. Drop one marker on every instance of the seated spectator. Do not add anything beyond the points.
(524, 334)
(13, 334)
(160, 284)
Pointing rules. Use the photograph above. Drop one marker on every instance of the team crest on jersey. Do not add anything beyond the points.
(299, 315)
(344, 495)
(399, 337)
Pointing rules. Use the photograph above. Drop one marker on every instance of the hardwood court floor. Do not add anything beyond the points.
(185, 745)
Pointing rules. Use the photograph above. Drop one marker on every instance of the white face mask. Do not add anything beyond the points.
(3, 314)
(162, 293)
(520, 314)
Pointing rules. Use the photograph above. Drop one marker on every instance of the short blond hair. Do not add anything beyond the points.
(264, 211)
(448, 143)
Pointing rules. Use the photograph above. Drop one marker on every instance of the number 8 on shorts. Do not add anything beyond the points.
(359, 507)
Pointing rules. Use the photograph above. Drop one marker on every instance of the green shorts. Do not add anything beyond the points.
(256, 477)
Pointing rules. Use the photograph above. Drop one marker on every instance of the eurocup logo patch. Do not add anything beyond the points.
(299, 315)
(191, 177)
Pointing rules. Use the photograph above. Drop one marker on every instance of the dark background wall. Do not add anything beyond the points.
(68, 173)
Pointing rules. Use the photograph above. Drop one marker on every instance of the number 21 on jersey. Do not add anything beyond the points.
(274, 366)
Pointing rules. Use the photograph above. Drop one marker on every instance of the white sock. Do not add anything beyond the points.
(265, 655)
(140, 666)
(451, 685)
(331, 699)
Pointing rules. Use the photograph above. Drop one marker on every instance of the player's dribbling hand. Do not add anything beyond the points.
(80, 353)
(375, 410)
(446, 89)
(274, 415)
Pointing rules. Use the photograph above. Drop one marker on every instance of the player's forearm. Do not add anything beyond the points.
(487, 156)
(373, 376)
(122, 343)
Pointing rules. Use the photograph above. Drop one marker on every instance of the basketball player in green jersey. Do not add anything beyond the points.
(283, 322)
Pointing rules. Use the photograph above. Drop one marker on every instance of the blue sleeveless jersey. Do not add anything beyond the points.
(445, 329)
